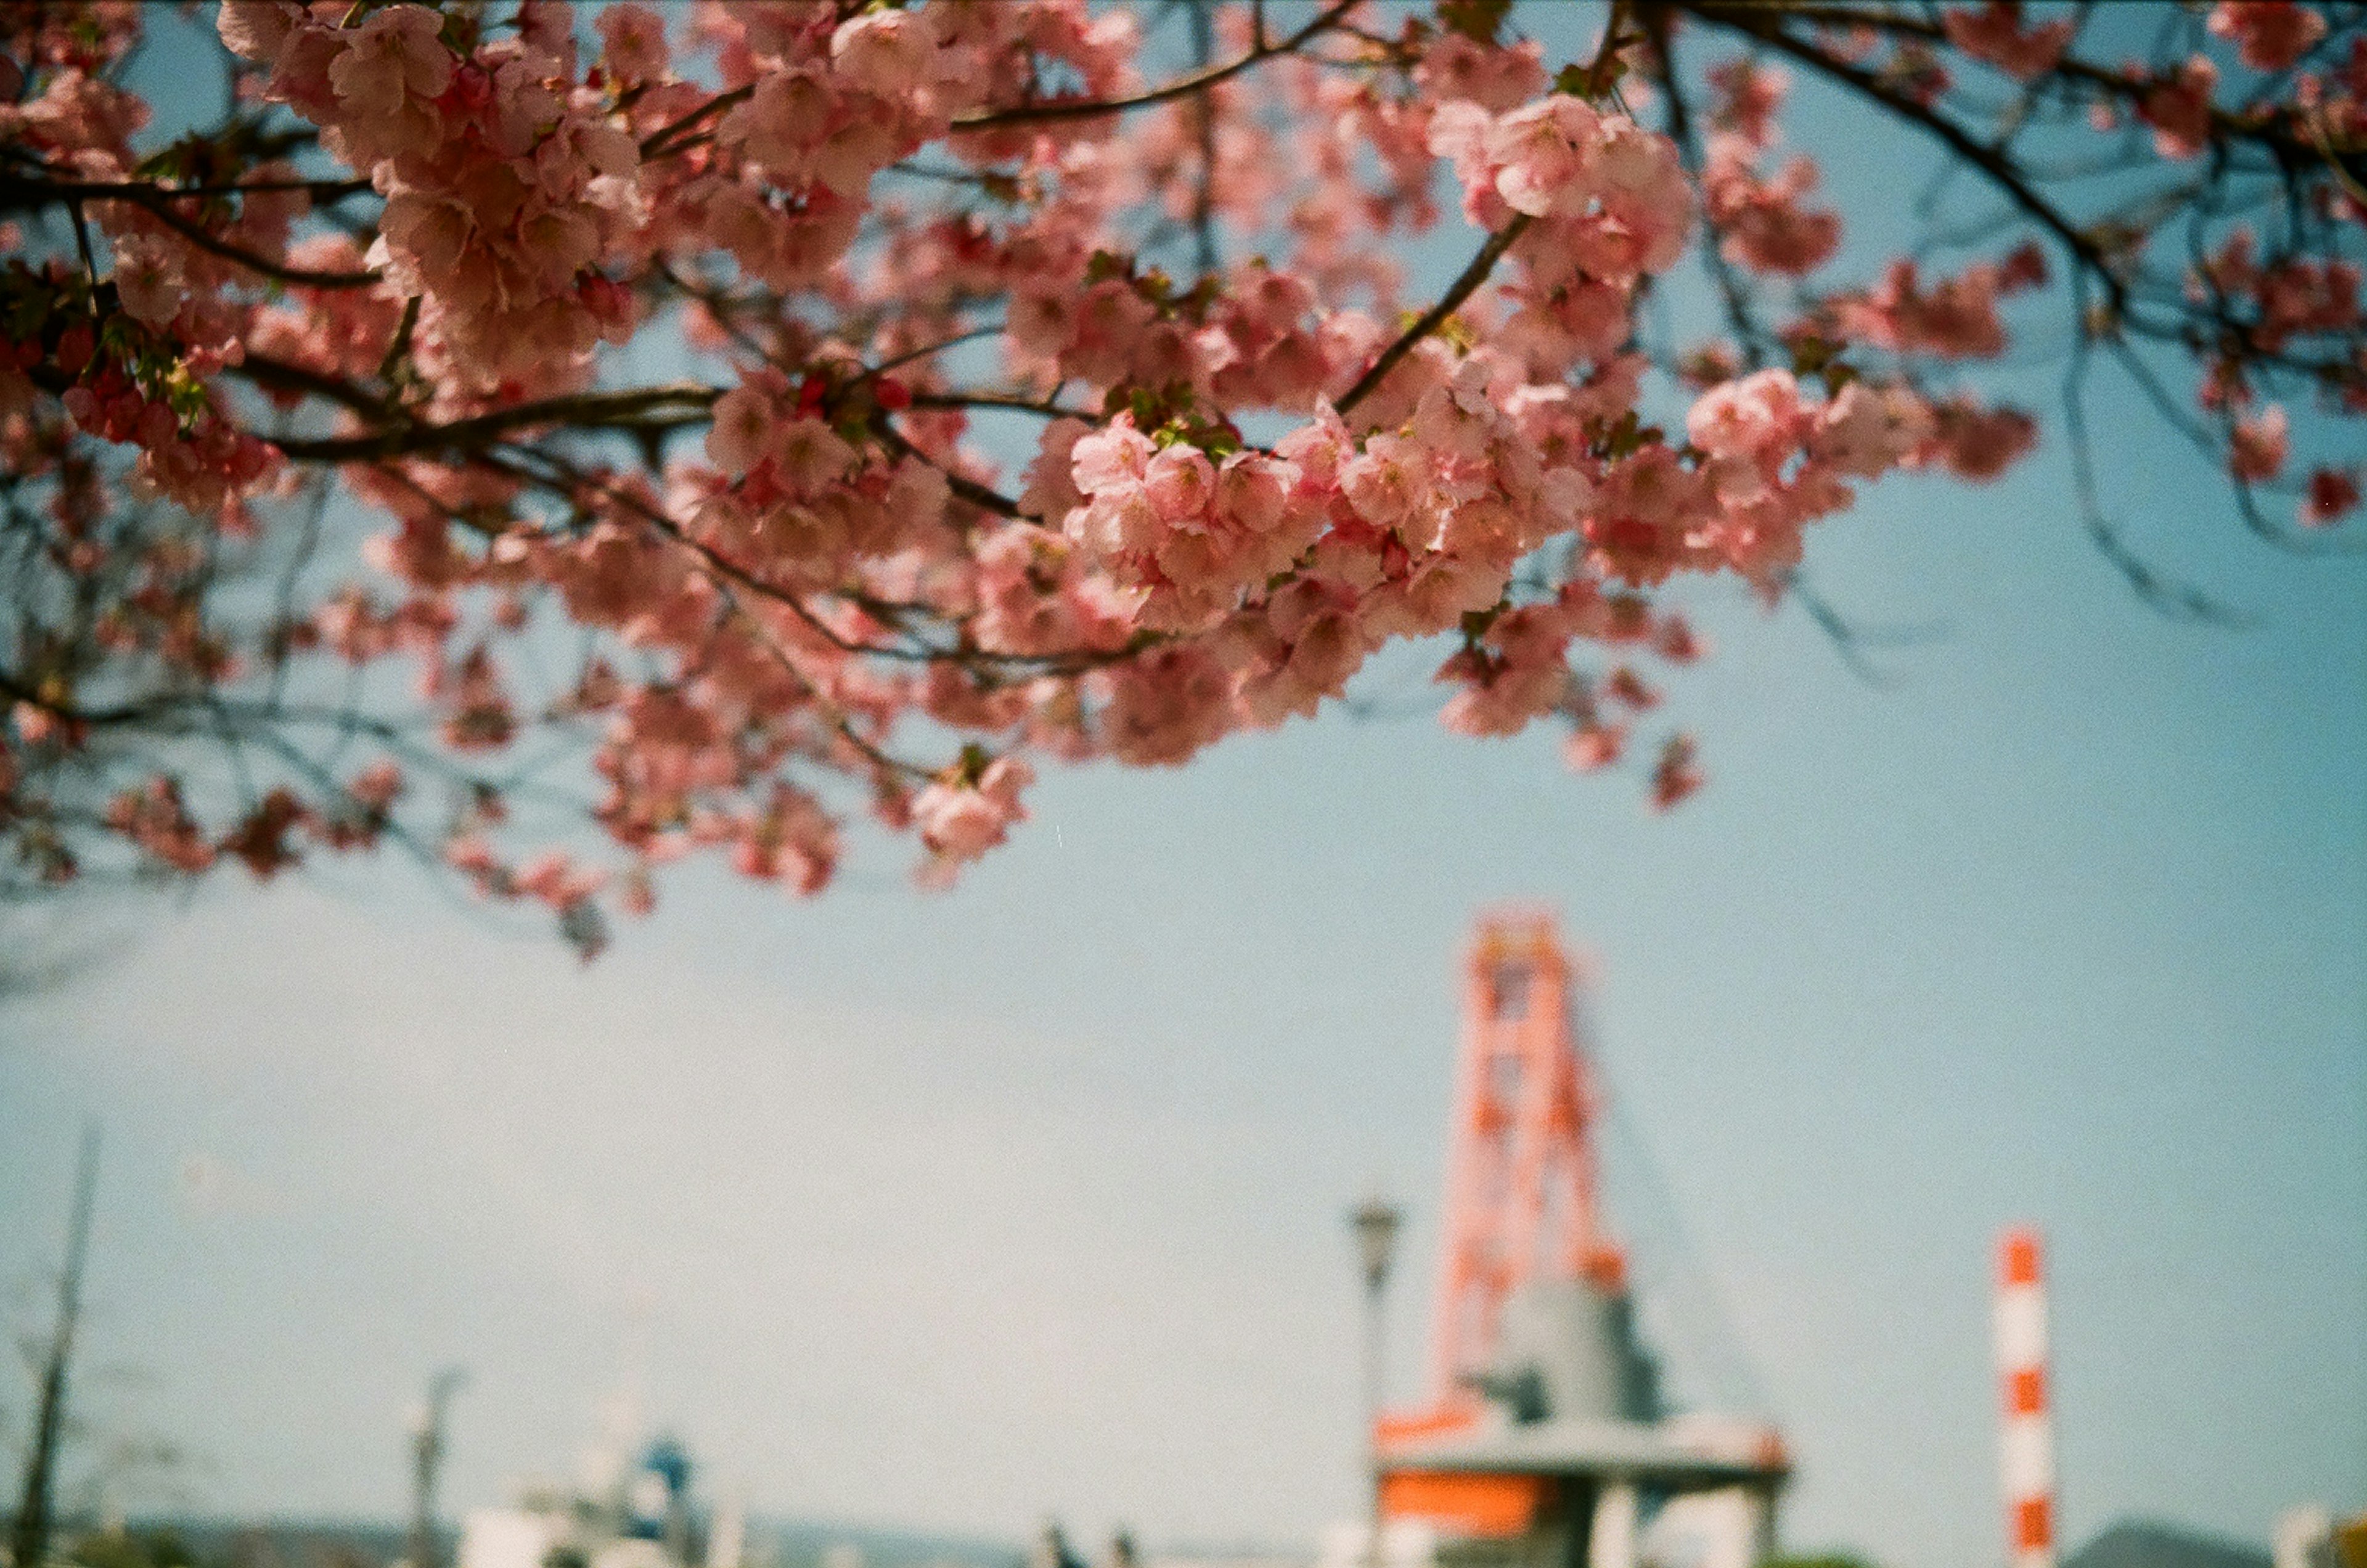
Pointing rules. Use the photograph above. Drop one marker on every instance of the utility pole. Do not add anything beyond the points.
(29, 1542)
(426, 1457)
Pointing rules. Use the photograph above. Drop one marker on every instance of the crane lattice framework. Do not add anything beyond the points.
(1522, 1183)
(1545, 1439)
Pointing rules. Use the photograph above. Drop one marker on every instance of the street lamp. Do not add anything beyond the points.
(427, 1456)
(1375, 1221)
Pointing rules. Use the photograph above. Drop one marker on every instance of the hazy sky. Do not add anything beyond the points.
(954, 1211)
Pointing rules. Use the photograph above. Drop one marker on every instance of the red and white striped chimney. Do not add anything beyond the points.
(2027, 1440)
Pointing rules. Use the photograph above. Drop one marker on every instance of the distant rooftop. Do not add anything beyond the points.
(2142, 1543)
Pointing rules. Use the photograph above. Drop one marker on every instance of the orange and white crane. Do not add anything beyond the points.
(1522, 1181)
(1545, 1417)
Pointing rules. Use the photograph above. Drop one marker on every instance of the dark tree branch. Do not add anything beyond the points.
(1463, 286)
(1182, 86)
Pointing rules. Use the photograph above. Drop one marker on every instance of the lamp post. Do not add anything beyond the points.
(426, 1457)
(1375, 1221)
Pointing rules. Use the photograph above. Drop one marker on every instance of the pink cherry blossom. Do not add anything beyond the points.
(1179, 481)
(888, 53)
(1994, 32)
(391, 67)
(960, 821)
(1676, 774)
(148, 282)
(2257, 446)
(1541, 154)
(2271, 35)
(825, 411)
(2332, 495)
(2177, 107)
(634, 41)
(741, 434)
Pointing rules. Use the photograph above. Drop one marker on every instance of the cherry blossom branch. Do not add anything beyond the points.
(659, 144)
(280, 376)
(840, 723)
(1207, 588)
(2133, 365)
(279, 272)
(1463, 286)
(1732, 292)
(1850, 639)
(582, 411)
(156, 201)
(1046, 408)
(2265, 131)
(571, 483)
(1204, 195)
(1767, 27)
(926, 350)
(1182, 86)
(727, 575)
(1481, 264)
(2176, 598)
(962, 485)
(145, 190)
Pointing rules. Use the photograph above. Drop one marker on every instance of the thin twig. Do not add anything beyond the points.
(582, 411)
(1435, 317)
(1767, 27)
(1182, 86)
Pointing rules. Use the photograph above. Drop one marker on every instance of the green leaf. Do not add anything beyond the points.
(1584, 82)
(1474, 20)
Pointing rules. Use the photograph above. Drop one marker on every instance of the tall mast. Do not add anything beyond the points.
(2026, 1440)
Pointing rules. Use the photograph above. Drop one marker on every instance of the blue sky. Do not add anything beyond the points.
(955, 1211)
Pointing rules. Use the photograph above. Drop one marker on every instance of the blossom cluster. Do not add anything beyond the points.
(505, 181)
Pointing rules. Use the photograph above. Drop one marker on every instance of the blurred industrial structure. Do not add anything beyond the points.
(628, 1510)
(1546, 1442)
(2311, 1537)
(2306, 1537)
(1547, 1439)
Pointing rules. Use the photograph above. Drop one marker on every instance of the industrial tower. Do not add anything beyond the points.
(1545, 1440)
(1521, 1179)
